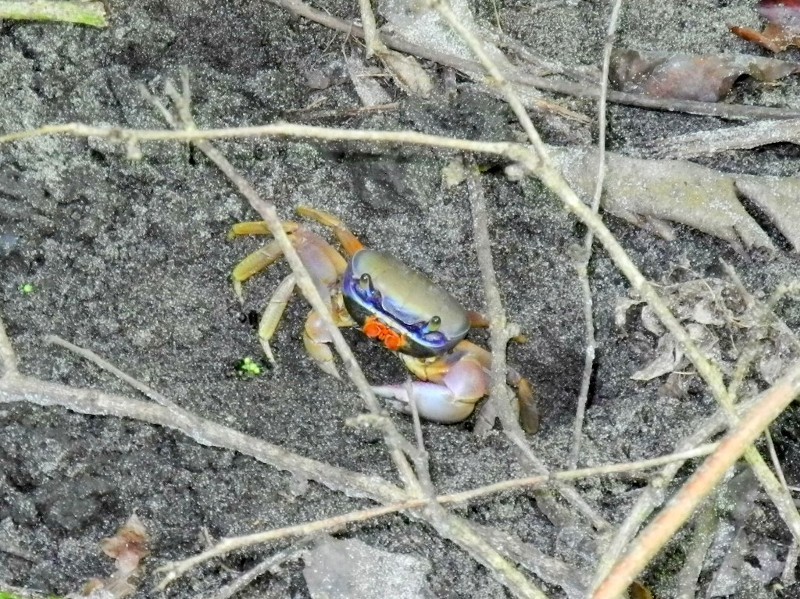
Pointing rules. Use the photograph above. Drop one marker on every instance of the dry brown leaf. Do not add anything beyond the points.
(651, 193)
(128, 547)
(783, 25)
(704, 78)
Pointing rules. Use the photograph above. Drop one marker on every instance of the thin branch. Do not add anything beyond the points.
(264, 566)
(512, 151)
(475, 45)
(788, 577)
(335, 523)
(205, 432)
(500, 334)
(371, 37)
(174, 570)
(579, 90)
(8, 357)
(109, 367)
(706, 522)
(586, 257)
(700, 485)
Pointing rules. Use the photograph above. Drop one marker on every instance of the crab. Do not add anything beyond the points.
(404, 310)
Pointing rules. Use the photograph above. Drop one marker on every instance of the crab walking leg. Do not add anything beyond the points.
(254, 263)
(451, 399)
(316, 339)
(349, 241)
(273, 313)
(257, 227)
(526, 402)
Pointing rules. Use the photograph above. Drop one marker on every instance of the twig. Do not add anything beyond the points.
(788, 576)
(586, 257)
(205, 432)
(475, 45)
(776, 463)
(500, 334)
(499, 329)
(173, 570)
(81, 13)
(8, 357)
(109, 367)
(371, 37)
(561, 86)
(273, 561)
(225, 546)
(700, 484)
(706, 522)
(512, 151)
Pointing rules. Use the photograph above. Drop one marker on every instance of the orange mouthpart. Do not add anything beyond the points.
(375, 329)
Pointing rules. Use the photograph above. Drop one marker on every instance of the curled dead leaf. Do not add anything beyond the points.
(704, 78)
(127, 547)
(782, 29)
(407, 73)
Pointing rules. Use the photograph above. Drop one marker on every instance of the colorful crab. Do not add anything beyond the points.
(392, 303)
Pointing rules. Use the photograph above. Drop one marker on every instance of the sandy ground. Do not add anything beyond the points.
(131, 260)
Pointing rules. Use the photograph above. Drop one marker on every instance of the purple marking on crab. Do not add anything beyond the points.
(404, 299)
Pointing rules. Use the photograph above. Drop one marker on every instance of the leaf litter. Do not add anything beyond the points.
(720, 318)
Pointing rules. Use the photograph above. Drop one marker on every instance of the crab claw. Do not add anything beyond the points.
(451, 400)
(434, 402)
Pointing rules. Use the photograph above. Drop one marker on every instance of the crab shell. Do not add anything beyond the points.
(386, 297)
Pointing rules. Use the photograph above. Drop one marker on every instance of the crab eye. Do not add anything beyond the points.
(432, 325)
(365, 281)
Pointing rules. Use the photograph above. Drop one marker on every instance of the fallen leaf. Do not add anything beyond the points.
(652, 193)
(668, 356)
(407, 73)
(366, 83)
(128, 547)
(777, 197)
(704, 78)
(783, 25)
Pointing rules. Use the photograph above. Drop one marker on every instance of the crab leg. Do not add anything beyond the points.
(455, 383)
(258, 227)
(349, 241)
(452, 399)
(272, 314)
(254, 263)
(316, 339)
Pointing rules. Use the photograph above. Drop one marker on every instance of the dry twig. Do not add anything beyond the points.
(560, 86)
(586, 256)
(264, 566)
(336, 523)
(700, 485)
